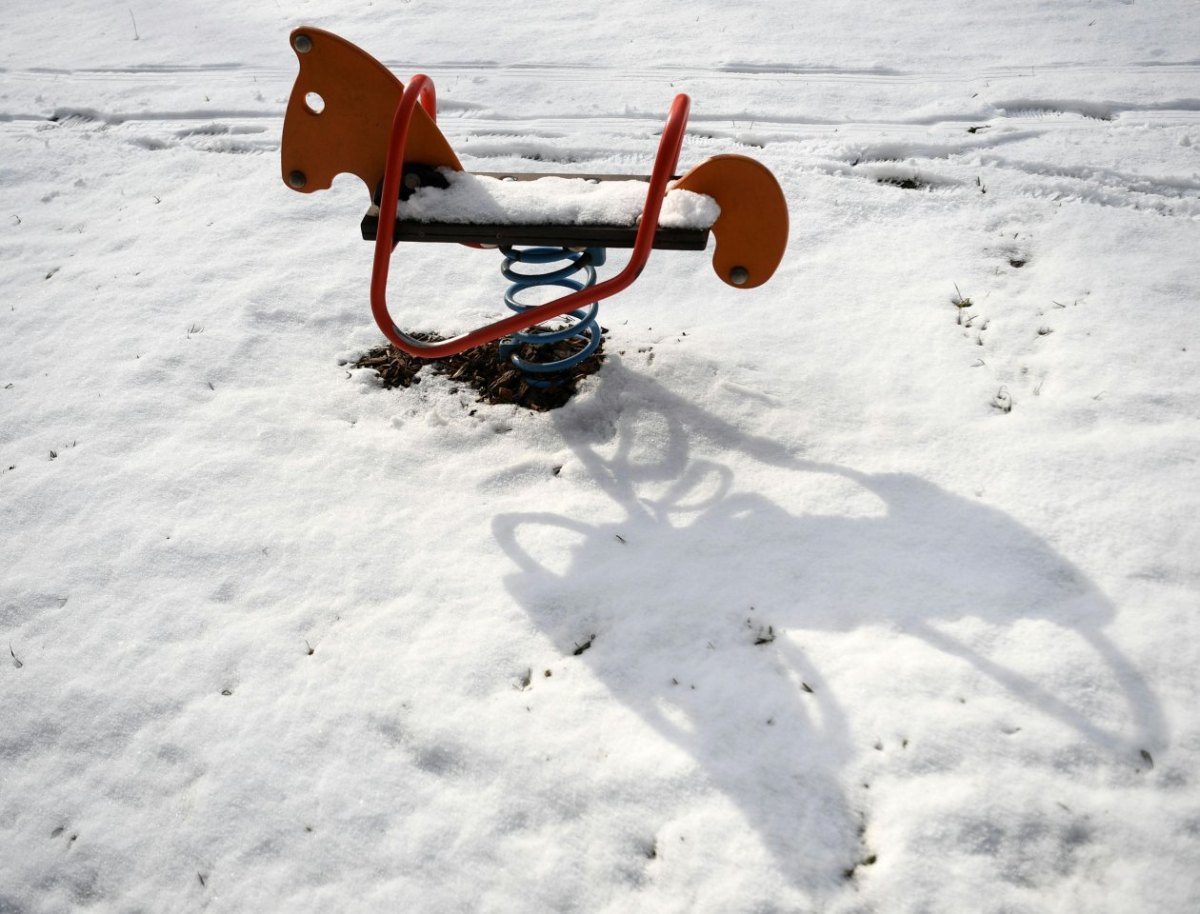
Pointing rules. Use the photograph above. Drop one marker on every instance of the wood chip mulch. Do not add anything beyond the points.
(482, 368)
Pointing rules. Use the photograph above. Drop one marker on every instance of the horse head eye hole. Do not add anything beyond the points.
(314, 103)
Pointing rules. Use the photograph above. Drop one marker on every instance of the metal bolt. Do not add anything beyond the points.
(302, 44)
(297, 179)
(739, 276)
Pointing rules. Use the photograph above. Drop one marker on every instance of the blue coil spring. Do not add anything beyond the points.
(580, 323)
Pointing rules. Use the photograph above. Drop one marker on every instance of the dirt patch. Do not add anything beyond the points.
(913, 183)
(491, 376)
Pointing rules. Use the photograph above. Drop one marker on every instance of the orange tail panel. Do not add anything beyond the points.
(752, 229)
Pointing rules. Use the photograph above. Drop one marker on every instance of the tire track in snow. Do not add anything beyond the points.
(783, 76)
(572, 137)
(586, 71)
(774, 90)
(907, 153)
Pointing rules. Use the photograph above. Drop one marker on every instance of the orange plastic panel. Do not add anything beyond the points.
(358, 99)
(752, 229)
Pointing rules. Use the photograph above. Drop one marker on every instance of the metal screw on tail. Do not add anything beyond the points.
(739, 276)
(302, 44)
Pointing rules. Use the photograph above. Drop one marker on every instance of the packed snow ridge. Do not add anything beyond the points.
(478, 199)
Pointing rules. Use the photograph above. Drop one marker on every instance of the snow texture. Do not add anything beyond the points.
(475, 199)
(872, 589)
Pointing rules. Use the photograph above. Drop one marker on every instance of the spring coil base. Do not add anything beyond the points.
(580, 323)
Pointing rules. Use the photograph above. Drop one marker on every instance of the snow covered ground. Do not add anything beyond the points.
(826, 596)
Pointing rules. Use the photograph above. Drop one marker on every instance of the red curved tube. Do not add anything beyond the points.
(420, 87)
(429, 99)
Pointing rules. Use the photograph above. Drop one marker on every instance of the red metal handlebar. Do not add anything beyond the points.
(429, 99)
(420, 87)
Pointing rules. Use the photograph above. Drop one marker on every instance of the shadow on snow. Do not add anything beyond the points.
(678, 573)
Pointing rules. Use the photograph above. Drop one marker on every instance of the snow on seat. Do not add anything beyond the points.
(543, 209)
(475, 199)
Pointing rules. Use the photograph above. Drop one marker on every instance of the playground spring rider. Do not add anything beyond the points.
(348, 113)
